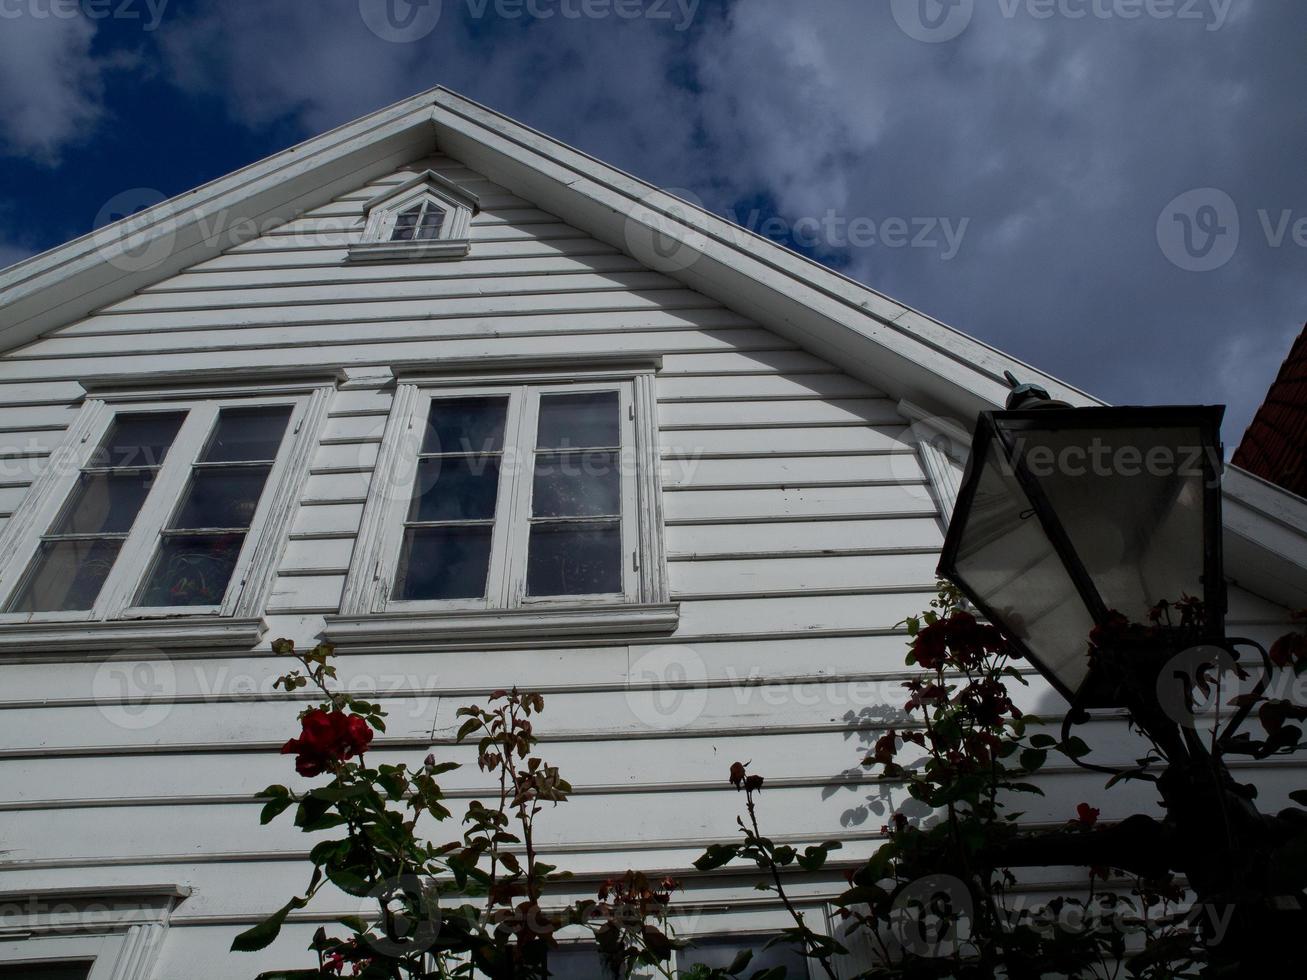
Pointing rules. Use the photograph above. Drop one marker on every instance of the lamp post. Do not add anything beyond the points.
(1074, 520)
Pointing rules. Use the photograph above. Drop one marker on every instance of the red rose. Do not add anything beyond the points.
(327, 738)
(1289, 649)
(737, 774)
(1086, 815)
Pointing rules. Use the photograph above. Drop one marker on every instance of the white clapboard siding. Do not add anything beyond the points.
(383, 275)
(800, 532)
(688, 472)
(805, 537)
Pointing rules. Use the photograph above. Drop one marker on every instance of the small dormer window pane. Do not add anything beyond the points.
(406, 224)
(432, 220)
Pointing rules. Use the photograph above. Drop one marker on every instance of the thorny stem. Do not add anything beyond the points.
(795, 914)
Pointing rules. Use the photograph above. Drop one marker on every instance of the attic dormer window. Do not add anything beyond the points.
(420, 223)
(426, 217)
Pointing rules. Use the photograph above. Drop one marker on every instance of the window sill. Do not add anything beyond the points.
(408, 251)
(207, 632)
(462, 630)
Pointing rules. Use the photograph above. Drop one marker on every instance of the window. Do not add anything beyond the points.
(156, 509)
(525, 495)
(420, 223)
(517, 496)
(425, 217)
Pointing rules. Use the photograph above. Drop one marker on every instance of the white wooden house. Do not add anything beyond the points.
(212, 431)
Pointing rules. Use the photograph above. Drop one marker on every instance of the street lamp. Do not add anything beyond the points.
(1072, 519)
(1067, 515)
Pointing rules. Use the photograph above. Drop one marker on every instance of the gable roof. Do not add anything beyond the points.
(940, 370)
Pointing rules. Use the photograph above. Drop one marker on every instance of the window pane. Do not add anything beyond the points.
(574, 559)
(577, 485)
(138, 440)
(444, 563)
(465, 425)
(192, 570)
(405, 224)
(105, 503)
(429, 229)
(722, 952)
(247, 435)
(67, 575)
(47, 971)
(578, 963)
(222, 497)
(579, 421)
(455, 488)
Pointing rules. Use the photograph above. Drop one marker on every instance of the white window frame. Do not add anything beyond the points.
(119, 930)
(642, 605)
(430, 188)
(252, 576)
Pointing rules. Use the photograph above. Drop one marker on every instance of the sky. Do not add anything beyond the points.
(1112, 190)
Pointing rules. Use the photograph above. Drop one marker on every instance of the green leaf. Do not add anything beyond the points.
(716, 856)
(1075, 747)
(1042, 741)
(272, 808)
(252, 940)
(1032, 760)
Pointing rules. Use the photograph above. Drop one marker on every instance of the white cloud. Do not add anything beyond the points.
(51, 86)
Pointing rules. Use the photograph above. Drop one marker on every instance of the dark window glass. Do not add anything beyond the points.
(203, 540)
(577, 485)
(585, 420)
(429, 227)
(405, 224)
(78, 552)
(223, 497)
(574, 559)
(46, 971)
(192, 570)
(247, 435)
(444, 562)
(455, 488)
(138, 440)
(67, 575)
(465, 425)
(105, 502)
(577, 963)
(721, 953)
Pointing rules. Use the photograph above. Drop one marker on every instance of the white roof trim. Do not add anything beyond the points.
(898, 349)
(441, 186)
